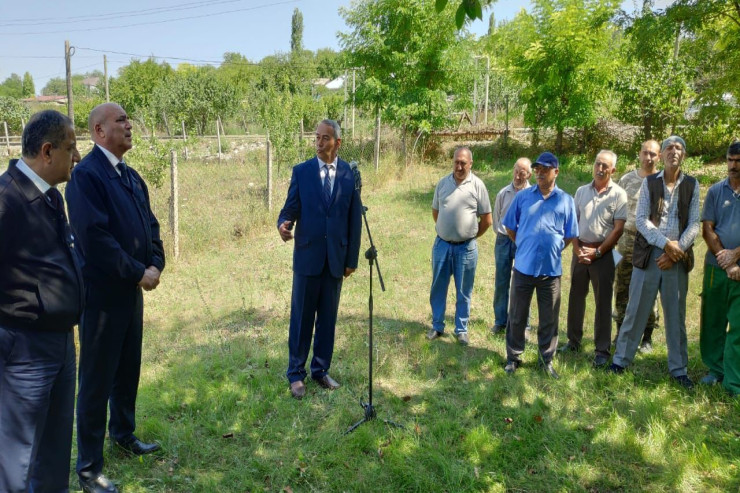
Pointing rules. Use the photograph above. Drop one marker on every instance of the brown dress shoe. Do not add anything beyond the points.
(298, 389)
(327, 382)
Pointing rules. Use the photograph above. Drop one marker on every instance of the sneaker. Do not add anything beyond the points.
(684, 381)
(569, 347)
(616, 369)
(498, 329)
(511, 366)
(433, 334)
(710, 379)
(462, 338)
(646, 347)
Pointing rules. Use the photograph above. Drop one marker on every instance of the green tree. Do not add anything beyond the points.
(412, 59)
(12, 87)
(14, 112)
(711, 50)
(29, 90)
(238, 72)
(296, 31)
(195, 95)
(135, 84)
(564, 56)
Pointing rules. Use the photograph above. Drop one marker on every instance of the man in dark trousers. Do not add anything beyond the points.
(325, 208)
(41, 300)
(118, 239)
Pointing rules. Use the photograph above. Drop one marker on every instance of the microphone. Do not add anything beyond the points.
(356, 171)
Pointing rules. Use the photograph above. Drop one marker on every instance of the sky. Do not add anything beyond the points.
(32, 32)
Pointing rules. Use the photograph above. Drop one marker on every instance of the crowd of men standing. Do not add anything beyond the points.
(90, 269)
(634, 237)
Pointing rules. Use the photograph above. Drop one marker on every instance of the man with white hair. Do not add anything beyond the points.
(667, 224)
(505, 249)
(601, 208)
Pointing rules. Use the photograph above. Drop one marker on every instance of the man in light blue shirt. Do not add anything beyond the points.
(542, 222)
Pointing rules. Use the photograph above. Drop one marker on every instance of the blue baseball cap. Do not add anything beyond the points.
(547, 159)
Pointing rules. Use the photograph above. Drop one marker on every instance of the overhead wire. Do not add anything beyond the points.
(124, 26)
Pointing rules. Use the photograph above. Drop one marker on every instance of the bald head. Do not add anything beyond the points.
(522, 172)
(110, 128)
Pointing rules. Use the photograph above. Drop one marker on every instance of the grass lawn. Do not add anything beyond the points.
(214, 393)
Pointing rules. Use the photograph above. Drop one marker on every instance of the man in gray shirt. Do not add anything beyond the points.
(505, 248)
(667, 224)
(462, 212)
(720, 299)
(601, 207)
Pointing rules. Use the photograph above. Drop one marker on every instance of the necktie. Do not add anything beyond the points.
(56, 200)
(124, 174)
(327, 187)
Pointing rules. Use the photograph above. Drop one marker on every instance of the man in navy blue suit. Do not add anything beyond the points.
(118, 239)
(41, 300)
(325, 208)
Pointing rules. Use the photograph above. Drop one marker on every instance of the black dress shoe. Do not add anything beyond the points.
(98, 484)
(550, 370)
(137, 447)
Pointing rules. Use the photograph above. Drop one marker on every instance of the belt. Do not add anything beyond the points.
(455, 242)
(590, 245)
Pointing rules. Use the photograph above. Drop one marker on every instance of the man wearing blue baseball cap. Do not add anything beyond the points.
(542, 222)
(667, 220)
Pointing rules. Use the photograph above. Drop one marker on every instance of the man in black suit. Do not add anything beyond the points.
(41, 300)
(118, 240)
(323, 201)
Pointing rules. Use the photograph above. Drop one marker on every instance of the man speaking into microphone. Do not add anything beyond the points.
(324, 205)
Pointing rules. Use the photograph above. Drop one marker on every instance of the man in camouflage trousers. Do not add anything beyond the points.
(631, 182)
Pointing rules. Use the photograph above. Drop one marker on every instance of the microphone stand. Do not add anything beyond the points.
(371, 254)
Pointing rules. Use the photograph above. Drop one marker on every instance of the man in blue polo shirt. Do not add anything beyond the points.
(720, 304)
(542, 222)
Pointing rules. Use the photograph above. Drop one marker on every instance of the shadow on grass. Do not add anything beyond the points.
(219, 402)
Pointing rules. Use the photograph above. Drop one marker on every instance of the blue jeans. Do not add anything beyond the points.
(504, 252)
(458, 261)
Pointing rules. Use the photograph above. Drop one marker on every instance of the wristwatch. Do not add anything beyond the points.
(597, 254)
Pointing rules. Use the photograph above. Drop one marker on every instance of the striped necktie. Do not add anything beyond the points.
(326, 195)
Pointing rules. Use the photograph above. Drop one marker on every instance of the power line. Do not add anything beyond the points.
(114, 15)
(108, 28)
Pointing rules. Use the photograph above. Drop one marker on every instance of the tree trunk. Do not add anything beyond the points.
(559, 141)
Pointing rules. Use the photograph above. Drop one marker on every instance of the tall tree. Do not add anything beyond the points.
(412, 59)
(653, 87)
(564, 55)
(296, 31)
(135, 84)
(12, 87)
(29, 90)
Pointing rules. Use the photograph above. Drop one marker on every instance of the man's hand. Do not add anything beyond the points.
(726, 258)
(733, 272)
(348, 272)
(664, 262)
(150, 279)
(674, 251)
(586, 255)
(285, 230)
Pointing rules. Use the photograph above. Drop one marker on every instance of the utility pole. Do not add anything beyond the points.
(488, 82)
(70, 103)
(105, 74)
(353, 103)
(344, 83)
